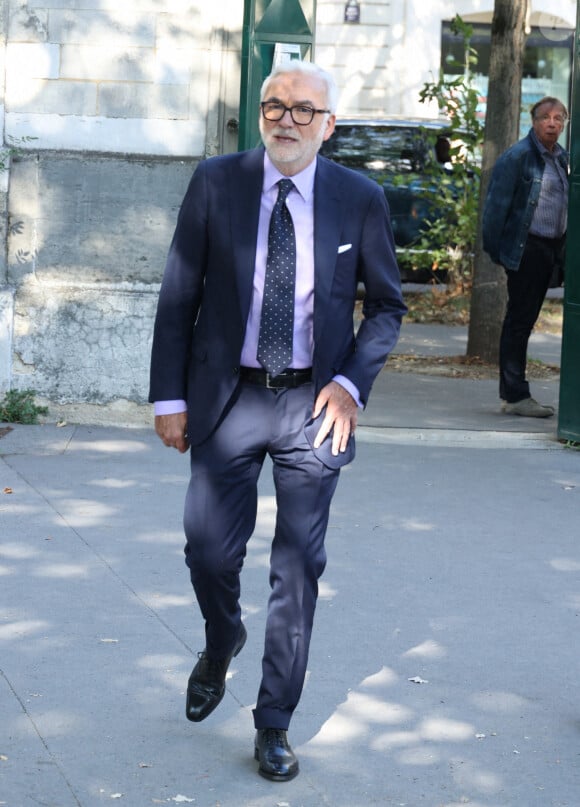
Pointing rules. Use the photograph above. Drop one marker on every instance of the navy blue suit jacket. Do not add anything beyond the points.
(207, 285)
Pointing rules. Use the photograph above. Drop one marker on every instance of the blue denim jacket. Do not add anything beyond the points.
(511, 199)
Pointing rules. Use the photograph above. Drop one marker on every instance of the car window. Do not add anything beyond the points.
(378, 148)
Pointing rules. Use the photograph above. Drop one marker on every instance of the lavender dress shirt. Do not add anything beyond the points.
(300, 203)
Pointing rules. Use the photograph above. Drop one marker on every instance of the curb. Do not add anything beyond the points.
(458, 438)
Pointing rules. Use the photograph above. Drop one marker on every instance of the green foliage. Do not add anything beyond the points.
(12, 149)
(18, 406)
(452, 191)
(425, 262)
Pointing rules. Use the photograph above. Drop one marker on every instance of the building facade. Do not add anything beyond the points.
(109, 106)
(382, 61)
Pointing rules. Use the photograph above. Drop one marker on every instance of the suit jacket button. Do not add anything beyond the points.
(236, 370)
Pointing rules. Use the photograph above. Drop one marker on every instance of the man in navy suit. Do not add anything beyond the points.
(213, 395)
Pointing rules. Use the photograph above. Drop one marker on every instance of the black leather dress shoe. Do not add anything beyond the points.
(277, 760)
(207, 682)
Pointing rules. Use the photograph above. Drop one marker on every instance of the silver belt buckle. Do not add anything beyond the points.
(268, 385)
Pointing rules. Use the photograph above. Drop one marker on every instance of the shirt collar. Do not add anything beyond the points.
(543, 150)
(303, 181)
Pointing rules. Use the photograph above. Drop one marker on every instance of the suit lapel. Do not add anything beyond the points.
(328, 218)
(245, 191)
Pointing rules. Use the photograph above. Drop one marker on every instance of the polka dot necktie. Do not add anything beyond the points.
(277, 319)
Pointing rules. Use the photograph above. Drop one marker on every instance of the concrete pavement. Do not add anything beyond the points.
(445, 656)
(454, 410)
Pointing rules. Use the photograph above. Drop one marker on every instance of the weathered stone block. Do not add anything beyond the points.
(130, 100)
(93, 220)
(31, 60)
(52, 97)
(89, 239)
(128, 29)
(26, 25)
(113, 6)
(6, 320)
(103, 63)
(167, 138)
(185, 30)
(83, 344)
(175, 65)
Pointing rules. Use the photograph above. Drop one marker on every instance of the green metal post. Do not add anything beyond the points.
(268, 23)
(569, 404)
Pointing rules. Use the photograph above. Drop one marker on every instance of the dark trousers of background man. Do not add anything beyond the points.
(542, 262)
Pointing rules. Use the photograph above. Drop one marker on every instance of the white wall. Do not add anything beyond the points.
(125, 76)
(358, 55)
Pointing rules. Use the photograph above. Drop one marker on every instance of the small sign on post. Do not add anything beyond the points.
(285, 52)
(352, 11)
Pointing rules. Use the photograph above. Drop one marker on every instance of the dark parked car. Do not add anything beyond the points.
(387, 148)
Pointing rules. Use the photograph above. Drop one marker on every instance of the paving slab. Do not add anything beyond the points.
(421, 402)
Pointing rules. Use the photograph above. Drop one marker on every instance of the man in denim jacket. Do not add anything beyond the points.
(524, 230)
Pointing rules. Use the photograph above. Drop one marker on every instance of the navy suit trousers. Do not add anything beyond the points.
(220, 516)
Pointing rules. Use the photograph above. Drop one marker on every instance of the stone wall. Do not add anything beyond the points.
(88, 245)
(135, 77)
(110, 106)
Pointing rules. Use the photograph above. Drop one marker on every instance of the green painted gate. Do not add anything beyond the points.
(569, 404)
(272, 29)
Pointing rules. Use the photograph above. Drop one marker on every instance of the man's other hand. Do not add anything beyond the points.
(172, 429)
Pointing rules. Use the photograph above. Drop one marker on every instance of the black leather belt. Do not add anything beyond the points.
(289, 379)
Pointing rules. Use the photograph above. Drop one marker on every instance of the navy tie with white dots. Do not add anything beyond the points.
(277, 318)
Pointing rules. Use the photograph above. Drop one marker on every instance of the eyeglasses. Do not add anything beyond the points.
(301, 115)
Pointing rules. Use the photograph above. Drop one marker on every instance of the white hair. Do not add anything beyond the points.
(309, 69)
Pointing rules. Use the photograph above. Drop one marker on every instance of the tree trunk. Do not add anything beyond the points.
(488, 296)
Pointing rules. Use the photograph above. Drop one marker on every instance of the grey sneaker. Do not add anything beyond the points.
(527, 408)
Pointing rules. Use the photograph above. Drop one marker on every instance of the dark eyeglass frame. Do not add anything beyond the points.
(284, 109)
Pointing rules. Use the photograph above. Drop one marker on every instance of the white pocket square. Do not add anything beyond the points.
(344, 248)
